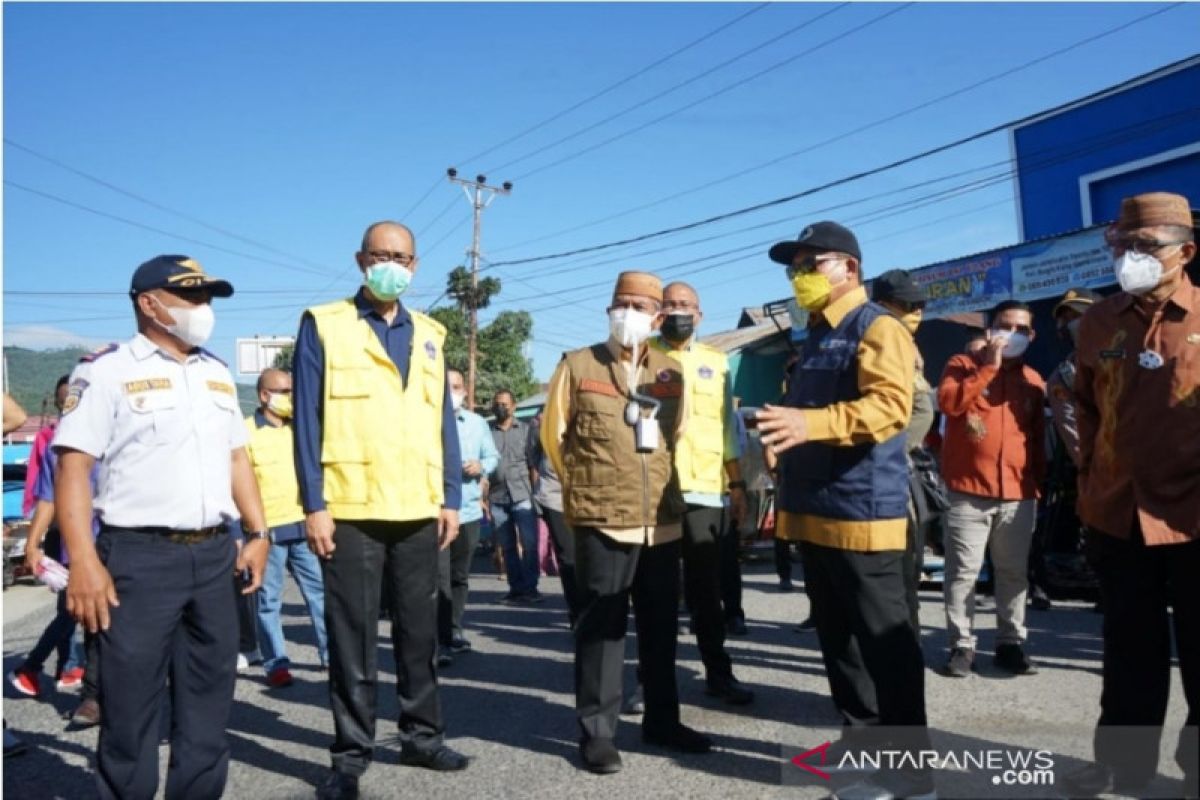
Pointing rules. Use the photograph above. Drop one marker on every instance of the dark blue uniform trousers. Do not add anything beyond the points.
(177, 615)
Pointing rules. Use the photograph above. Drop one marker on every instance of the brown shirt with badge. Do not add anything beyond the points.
(631, 497)
(1137, 395)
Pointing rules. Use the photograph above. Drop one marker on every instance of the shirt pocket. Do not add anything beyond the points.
(709, 397)
(157, 417)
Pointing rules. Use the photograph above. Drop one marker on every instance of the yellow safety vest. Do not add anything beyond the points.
(270, 451)
(381, 446)
(700, 452)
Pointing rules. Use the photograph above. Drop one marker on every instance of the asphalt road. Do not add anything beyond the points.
(509, 705)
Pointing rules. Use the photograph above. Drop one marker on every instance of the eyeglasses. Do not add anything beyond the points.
(1118, 244)
(383, 256)
(908, 307)
(808, 264)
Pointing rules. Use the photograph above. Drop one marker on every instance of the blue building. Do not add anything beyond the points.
(1076, 163)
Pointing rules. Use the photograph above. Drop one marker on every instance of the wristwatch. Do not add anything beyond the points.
(737, 485)
(255, 535)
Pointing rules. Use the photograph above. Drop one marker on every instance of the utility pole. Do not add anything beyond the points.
(480, 195)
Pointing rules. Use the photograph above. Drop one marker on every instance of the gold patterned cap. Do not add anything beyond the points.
(641, 284)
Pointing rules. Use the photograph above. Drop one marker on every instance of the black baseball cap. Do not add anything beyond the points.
(819, 236)
(176, 272)
(896, 284)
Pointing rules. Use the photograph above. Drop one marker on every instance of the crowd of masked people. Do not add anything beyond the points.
(364, 473)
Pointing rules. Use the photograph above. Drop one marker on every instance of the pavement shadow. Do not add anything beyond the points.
(23, 775)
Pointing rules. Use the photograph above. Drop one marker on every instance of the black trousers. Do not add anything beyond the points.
(914, 563)
(702, 587)
(1138, 584)
(731, 573)
(454, 572)
(563, 542)
(872, 657)
(609, 574)
(177, 616)
(365, 554)
(783, 559)
(91, 673)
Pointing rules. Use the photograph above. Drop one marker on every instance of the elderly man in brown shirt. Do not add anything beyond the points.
(1138, 402)
(613, 414)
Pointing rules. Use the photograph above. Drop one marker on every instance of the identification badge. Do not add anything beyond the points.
(1148, 359)
(645, 434)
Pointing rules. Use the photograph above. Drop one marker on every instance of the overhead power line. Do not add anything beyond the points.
(674, 196)
(611, 87)
(852, 178)
(161, 207)
(756, 48)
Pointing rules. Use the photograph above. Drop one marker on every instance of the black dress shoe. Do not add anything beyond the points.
(730, 690)
(1011, 658)
(681, 738)
(338, 786)
(459, 645)
(1097, 779)
(736, 627)
(960, 663)
(600, 756)
(440, 759)
(444, 659)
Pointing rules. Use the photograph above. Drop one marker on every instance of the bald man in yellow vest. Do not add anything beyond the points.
(380, 469)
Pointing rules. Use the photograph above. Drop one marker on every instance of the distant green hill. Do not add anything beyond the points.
(33, 373)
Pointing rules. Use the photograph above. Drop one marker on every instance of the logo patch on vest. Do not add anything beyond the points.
(663, 375)
(430, 350)
(706, 372)
(74, 392)
(598, 387)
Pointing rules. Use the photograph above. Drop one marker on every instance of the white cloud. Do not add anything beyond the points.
(46, 337)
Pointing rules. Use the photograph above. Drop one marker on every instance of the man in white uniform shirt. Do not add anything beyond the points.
(161, 416)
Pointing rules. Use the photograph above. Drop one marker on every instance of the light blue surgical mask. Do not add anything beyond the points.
(387, 280)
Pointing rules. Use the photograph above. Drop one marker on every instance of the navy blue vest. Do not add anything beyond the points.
(861, 482)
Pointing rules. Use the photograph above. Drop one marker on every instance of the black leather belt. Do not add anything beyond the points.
(181, 536)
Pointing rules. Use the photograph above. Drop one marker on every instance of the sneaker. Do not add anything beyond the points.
(440, 759)
(444, 659)
(960, 663)
(634, 704)
(600, 756)
(87, 713)
(459, 645)
(70, 679)
(26, 681)
(1011, 658)
(280, 678)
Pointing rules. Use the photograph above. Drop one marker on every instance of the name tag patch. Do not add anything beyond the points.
(150, 384)
(1109, 354)
(226, 388)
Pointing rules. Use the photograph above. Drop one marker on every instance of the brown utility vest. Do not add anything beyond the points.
(608, 484)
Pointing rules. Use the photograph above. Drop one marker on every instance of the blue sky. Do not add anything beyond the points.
(267, 136)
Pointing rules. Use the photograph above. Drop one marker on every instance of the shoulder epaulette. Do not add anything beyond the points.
(95, 354)
(433, 323)
(213, 356)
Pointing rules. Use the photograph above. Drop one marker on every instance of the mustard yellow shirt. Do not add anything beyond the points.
(886, 356)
